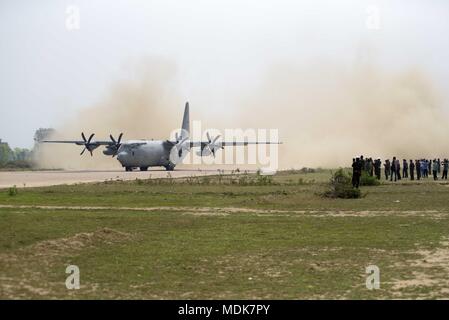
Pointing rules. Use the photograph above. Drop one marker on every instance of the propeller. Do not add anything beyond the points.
(181, 145)
(116, 143)
(176, 153)
(87, 145)
(210, 147)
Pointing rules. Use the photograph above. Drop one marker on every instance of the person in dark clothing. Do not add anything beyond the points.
(353, 175)
(404, 168)
(377, 170)
(387, 169)
(426, 168)
(418, 169)
(412, 170)
(429, 166)
(393, 170)
(356, 172)
(398, 169)
(445, 167)
(439, 165)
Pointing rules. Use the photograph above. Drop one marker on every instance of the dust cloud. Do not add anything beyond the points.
(326, 114)
(142, 106)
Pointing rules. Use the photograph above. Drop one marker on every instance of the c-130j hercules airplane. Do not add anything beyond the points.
(155, 153)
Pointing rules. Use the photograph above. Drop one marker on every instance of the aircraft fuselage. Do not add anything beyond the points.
(145, 153)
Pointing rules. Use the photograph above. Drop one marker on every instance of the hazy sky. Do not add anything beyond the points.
(49, 71)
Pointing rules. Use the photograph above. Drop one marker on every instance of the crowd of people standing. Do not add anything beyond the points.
(394, 171)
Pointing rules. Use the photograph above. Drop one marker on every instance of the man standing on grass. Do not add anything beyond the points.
(412, 170)
(393, 170)
(387, 169)
(418, 169)
(353, 171)
(404, 168)
(425, 167)
(362, 163)
(435, 169)
(445, 167)
(356, 172)
(377, 170)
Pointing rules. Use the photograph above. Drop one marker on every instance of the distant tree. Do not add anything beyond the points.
(43, 133)
(6, 154)
(39, 135)
(20, 154)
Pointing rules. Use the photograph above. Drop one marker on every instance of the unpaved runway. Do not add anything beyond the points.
(224, 211)
(48, 178)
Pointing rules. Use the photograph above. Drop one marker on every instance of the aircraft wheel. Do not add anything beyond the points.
(169, 167)
(129, 169)
(143, 168)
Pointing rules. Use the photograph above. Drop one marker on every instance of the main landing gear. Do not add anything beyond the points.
(132, 168)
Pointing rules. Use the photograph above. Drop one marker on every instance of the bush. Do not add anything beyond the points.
(367, 180)
(17, 164)
(264, 180)
(340, 186)
(13, 191)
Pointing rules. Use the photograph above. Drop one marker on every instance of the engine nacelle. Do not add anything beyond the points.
(110, 150)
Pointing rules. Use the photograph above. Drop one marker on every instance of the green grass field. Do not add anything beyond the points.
(230, 237)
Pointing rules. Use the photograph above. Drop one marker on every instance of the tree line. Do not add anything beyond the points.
(21, 157)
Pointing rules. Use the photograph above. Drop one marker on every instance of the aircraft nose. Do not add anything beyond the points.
(121, 156)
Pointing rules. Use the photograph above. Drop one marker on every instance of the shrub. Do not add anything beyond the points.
(367, 180)
(13, 191)
(340, 186)
(264, 180)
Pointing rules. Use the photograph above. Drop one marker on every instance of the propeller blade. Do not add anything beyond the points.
(90, 138)
(83, 136)
(120, 138)
(112, 138)
(208, 136)
(91, 153)
(83, 151)
(215, 139)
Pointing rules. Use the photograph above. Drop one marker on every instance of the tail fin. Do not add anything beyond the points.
(185, 122)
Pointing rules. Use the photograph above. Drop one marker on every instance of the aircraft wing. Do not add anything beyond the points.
(244, 143)
(79, 142)
(221, 144)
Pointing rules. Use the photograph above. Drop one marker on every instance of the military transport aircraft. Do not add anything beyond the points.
(155, 153)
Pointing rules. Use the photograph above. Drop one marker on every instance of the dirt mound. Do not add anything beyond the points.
(77, 242)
